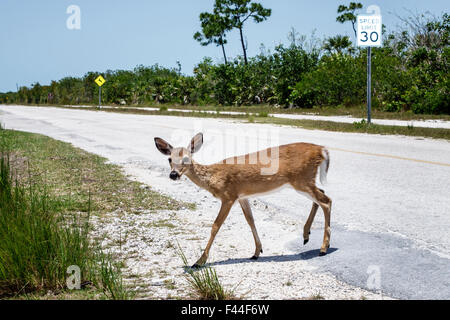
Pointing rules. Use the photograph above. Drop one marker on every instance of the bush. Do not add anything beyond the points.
(435, 101)
(338, 79)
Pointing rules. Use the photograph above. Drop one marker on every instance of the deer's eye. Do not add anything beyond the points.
(170, 160)
(185, 160)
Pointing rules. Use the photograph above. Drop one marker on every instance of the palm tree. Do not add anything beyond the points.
(338, 44)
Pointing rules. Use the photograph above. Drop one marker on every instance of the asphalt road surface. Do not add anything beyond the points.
(391, 194)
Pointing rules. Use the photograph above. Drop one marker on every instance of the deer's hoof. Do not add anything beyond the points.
(254, 258)
(321, 254)
(305, 241)
(196, 266)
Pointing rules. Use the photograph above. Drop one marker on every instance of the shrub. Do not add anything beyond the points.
(338, 79)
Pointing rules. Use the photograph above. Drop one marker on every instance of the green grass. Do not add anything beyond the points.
(162, 224)
(111, 281)
(48, 192)
(316, 297)
(204, 282)
(354, 111)
(37, 244)
(40, 238)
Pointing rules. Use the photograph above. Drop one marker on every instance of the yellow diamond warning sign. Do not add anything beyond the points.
(100, 81)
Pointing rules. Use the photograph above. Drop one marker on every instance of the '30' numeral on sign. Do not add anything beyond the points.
(373, 36)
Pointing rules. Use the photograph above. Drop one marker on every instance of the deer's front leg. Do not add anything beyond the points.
(223, 214)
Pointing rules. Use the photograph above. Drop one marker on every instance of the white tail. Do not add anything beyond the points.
(324, 166)
(238, 178)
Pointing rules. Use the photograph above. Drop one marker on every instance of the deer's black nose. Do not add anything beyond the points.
(174, 175)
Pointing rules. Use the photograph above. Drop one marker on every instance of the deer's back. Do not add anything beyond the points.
(267, 169)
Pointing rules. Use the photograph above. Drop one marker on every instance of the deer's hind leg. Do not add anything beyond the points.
(309, 222)
(245, 205)
(307, 227)
(325, 204)
(320, 199)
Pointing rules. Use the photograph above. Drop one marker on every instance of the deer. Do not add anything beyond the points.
(236, 179)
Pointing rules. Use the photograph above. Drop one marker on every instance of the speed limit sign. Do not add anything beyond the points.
(369, 30)
(369, 35)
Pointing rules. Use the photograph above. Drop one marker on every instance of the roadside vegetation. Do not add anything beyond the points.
(410, 71)
(351, 111)
(48, 192)
(361, 127)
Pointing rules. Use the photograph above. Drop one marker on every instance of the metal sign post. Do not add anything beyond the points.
(369, 84)
(100, 81)
(369, 35)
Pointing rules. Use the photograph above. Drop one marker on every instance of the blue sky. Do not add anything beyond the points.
(36, 45)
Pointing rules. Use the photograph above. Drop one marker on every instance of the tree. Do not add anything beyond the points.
(348, 13)
(214, 28)
(338, 44)
(237, 12)
(36, 92)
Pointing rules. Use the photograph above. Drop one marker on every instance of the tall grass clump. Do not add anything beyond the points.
(35, 248)
(204, 283)
(39, 240)
(110, 279)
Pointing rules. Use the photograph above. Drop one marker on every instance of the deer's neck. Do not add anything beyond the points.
(200, 175)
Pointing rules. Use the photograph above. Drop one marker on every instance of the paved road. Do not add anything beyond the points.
(444, 124)
(391, 199)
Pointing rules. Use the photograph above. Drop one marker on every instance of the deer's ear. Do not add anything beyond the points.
(196, 143)
(163, 146)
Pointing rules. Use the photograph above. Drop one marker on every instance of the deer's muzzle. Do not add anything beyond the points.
(174, 175)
